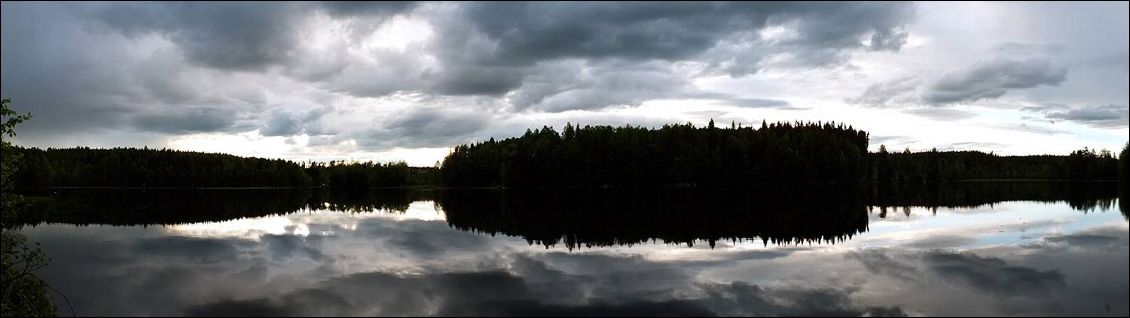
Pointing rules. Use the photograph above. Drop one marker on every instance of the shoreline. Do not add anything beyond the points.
(667, 186)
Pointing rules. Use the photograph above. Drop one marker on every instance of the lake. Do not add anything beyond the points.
(957, 249)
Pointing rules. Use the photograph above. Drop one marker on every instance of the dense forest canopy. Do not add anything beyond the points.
(674, 154)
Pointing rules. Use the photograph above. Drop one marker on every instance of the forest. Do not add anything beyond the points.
(774, 153)
(589, 156)
(679, 154)
(150, 168)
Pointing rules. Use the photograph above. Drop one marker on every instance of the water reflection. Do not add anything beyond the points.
(626, 217)
(152, 207)
(1021, 254)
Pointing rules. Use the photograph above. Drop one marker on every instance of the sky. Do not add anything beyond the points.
(391, 81)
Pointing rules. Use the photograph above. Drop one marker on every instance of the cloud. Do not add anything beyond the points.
(188, 121)
(1016, 66)
(993, 275)
(160, 73)
(234, 36)
(1105, 116)
(879, 94)
(281, 124)
(239, 36)
(757, 102)
(428, 127)
(992, 79)
(379, 8)
(188, 68)
(528, 292)
(941, 113)
(529, 32)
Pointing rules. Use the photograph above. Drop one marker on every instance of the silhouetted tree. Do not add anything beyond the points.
(24, 294)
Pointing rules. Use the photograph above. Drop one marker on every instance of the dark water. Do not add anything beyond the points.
(965, 249)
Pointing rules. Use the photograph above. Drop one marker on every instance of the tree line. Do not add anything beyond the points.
(774, 153)
(589, 156)
(941, 166)
(42, 169)
(183, 206)
(674, 154)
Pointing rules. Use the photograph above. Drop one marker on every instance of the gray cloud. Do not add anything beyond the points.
(880, 94)
(1105, 116)
(427, 127)
(188, 121)
(993, 275)
(1017, 66)
(379, 8)
(281, 124)
(539, 288)
(1120, 60)
(992, 79)
(758, 102)
(493, 38)
(941, 113)
(180, 68)
(230, 35)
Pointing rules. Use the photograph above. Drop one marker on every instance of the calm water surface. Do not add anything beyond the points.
(962, 250)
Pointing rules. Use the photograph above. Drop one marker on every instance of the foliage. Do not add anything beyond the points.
(1124, 163)
(24, 294)
(672, 155)
(363, 175)
(935, 167)
(150, 168)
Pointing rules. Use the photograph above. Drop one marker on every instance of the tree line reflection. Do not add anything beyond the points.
(627, 217)
(166, 207)
(583, 218)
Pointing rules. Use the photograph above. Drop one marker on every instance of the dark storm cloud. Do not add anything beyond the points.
(188, 121)
(188, 67)
(566, 87)
(993, 79)
(66, 89)
(531, 32)
(380, 8)
(231, 35)
(281, 124)
(427, 127)
(526, 48)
